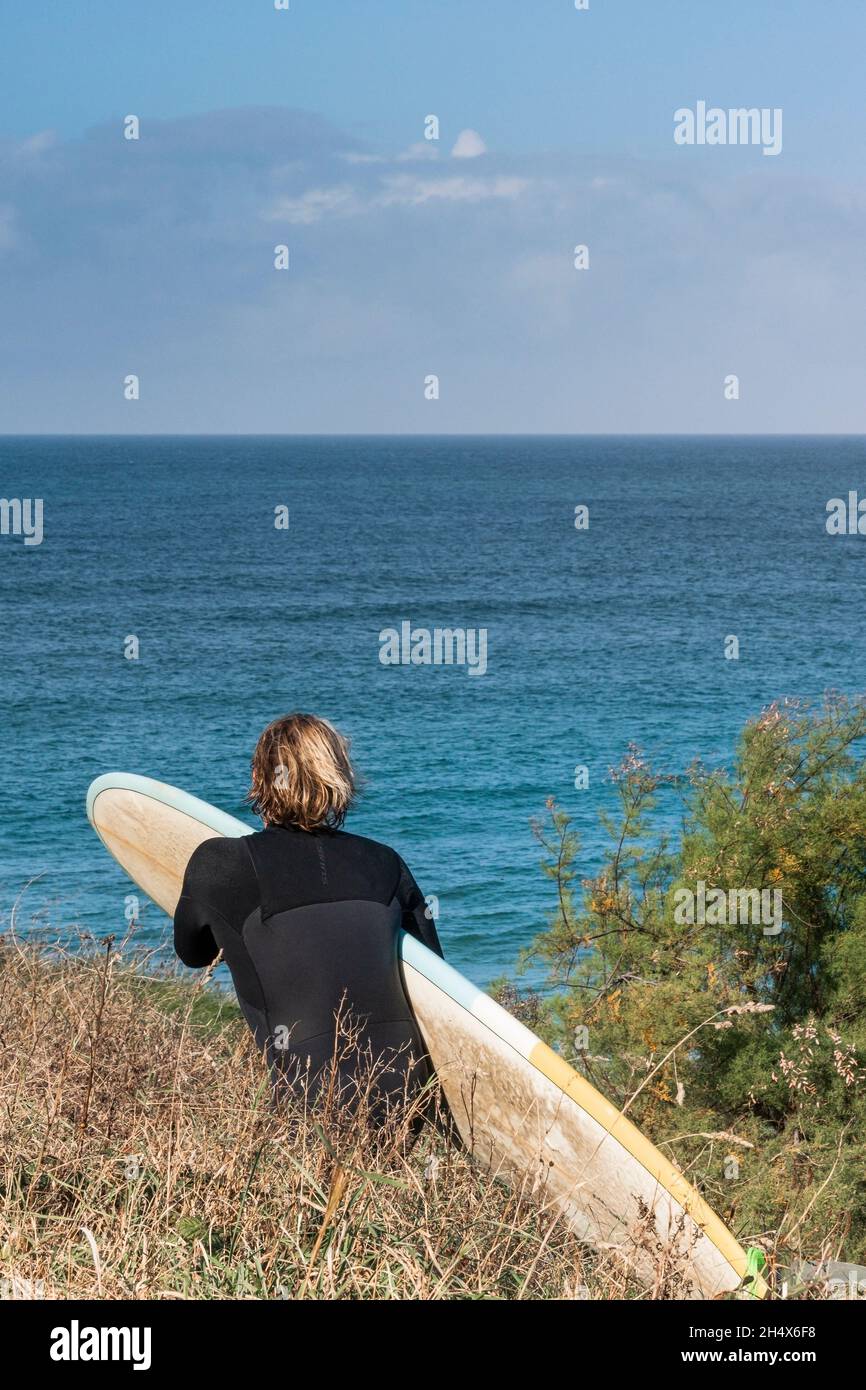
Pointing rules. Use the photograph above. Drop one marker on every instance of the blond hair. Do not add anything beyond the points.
(301, 774)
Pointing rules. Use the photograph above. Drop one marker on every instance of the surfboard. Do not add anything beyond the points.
(522, 1110)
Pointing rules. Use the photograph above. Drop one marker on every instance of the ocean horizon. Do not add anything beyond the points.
(186, 589)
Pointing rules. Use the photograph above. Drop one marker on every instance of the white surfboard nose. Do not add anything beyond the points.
(152, 829)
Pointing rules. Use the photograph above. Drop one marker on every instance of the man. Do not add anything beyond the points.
(307, 917)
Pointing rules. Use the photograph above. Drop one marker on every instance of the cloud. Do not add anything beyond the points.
(422, 149)
(412, 192)
(393, 190)
(468, 145)
(157, 257)
(313, 205)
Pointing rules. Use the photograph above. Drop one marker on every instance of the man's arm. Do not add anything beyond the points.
(194, 940)
(416, 914)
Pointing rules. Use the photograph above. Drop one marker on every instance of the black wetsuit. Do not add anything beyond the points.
(308, 924)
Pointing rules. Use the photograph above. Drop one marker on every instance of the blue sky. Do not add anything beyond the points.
(306, 128)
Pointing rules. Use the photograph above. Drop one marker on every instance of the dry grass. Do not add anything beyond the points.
(141, 1158)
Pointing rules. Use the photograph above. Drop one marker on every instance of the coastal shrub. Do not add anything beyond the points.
(736, 1038)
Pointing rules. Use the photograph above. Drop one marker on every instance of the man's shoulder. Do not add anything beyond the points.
(374, 850)
(219, 851)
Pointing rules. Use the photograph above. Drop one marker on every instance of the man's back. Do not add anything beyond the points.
(308, 923)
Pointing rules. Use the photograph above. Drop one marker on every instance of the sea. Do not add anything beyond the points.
(601, 591)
